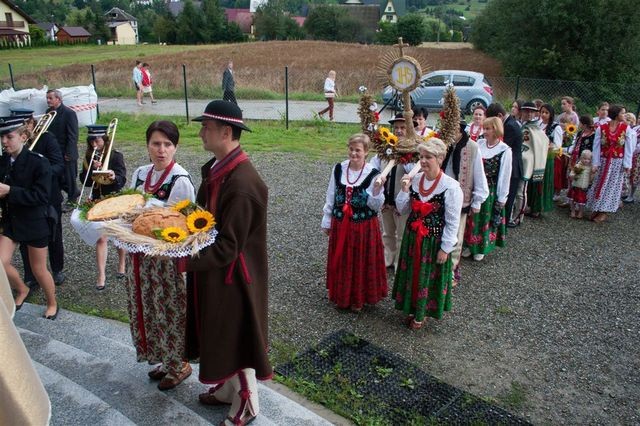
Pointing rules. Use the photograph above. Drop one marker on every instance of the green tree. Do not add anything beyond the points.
(411, 28)
(321, 22)
(272, 23)
(164, 29)
(190, 26)
(388, 33)
(555, 39)
(214, 20)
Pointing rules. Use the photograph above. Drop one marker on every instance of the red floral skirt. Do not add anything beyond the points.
(356, 272)
(560, 180)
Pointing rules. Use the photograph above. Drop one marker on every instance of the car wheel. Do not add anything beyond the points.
(474, 103)
(399, 106)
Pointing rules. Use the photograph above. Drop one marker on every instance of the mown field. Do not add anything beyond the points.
(259, 67)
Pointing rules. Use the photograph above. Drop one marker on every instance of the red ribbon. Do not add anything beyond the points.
(422, 209)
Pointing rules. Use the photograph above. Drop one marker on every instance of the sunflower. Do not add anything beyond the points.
(571, 129)
(173, 234)
(392, 140)
(384, 132)
(180, 205)
(200, 221)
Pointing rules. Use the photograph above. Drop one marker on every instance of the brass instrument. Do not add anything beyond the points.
(95, 155)
(102, 176)
(41, 126)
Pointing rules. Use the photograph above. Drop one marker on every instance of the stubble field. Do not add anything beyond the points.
(259, 67)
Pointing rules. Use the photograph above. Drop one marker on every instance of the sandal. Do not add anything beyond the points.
(101, 287)
(157, 373)
(170, 381)
(208, 398)
(244, 420)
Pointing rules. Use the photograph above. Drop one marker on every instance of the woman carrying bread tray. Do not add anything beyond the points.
(24, 197)
(117, 177)
(156, 286)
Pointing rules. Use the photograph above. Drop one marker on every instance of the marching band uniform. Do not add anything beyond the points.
(25, 209)
(116, 164)
(65, 128)
(48, 147)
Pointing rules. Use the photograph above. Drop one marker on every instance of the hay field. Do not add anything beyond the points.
(259, 67)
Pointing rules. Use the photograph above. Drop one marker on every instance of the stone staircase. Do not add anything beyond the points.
(88, 367)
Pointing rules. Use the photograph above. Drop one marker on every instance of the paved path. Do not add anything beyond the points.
(262, 110)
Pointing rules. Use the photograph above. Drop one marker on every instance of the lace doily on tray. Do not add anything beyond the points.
(123, 237)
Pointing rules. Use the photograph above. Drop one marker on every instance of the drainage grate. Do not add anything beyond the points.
(372, 383)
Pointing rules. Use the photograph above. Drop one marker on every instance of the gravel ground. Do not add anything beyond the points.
(551, 321)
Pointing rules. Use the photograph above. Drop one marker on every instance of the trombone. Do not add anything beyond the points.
(101, 176)
(41, 126)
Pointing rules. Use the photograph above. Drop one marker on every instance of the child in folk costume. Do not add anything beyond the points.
(487, 229)
(423, 282)
(96, 149)
(356, 271)
(580, 177)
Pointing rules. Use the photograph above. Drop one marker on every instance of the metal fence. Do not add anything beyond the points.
(294, 94)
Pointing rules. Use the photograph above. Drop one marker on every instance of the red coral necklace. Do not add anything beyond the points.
(425, 192)
(151, 189)
(361, 170)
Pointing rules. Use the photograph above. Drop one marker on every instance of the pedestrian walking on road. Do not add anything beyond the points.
(137, 81)
(229, 84)
(147, 82)
(329, 94)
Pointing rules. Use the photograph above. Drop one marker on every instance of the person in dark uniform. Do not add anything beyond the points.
(47, 145)
(229, 84)
(65, 128)
(24, 199)
(97, 148)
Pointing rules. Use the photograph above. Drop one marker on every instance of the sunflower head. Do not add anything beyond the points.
(173, 234)
(181, 205)
(392, 140)
(200, 221)
(385, 133)
(571, 129)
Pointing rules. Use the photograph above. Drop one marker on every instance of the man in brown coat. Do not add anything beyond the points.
(227, 324)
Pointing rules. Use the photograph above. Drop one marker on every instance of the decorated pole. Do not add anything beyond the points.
(403, 73)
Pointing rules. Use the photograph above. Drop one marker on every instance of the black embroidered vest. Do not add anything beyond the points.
(355, 196)
(434, 221)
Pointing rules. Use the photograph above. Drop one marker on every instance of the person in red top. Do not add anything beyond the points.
(147, 82)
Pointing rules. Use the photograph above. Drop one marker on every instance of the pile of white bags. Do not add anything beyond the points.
(82, 99)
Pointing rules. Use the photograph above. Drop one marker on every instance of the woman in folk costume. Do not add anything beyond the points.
(96, 149)
(613, 149)
(24, 400)
(487, 229)
(156, 286)
(541, 196)
(474, 130)
(356, 272)
(423, 282)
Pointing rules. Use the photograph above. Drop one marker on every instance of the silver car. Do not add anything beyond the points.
(472, 88)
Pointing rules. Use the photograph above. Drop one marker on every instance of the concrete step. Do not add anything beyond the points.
(96, 359)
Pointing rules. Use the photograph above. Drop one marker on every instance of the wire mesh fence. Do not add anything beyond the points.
(295, 93)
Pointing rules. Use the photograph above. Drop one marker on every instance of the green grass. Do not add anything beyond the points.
(96, 312)
(314, 139)
(29, 60)
(516, 397)
(460, 6)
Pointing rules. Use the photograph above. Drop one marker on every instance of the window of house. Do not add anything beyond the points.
(9, 18)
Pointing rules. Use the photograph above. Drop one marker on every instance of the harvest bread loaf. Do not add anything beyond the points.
(159, 218)
(113, 207)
